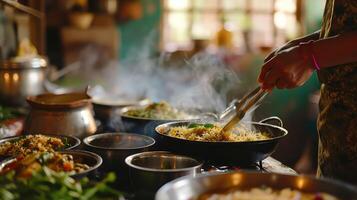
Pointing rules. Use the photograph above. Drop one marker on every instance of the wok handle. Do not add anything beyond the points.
(274, 120)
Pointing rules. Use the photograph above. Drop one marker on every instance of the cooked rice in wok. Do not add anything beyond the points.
(212, 132)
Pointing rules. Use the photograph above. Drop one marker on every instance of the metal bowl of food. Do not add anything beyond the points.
(253, 145)
(77, 163)
(144, 119)
(268, 185)
(115, 147)
(106, 108)
(12, 146)
(150, 170)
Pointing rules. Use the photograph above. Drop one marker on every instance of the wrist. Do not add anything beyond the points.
(306, 53)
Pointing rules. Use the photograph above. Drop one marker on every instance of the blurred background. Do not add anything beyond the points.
(86, 40)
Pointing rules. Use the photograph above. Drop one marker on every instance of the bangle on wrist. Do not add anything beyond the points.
(306, 52)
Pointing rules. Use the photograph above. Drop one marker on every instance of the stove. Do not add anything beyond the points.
(268, 165)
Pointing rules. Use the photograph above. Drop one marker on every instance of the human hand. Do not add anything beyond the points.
(287, 69)
(288, 45)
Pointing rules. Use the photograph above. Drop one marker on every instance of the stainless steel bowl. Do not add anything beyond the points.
(70, 142)
(115, 147)
(150, 170)
(190, 188)
(84, 157)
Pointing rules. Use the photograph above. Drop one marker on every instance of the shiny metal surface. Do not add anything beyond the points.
(71, 141)
(19, 79)
(91, 159)
(144, 126)
(115, 147)
(65, 114)
(188, 188)
(240, 153)
(84, 157)
(105, 109)
(243, 105)
(150, 170)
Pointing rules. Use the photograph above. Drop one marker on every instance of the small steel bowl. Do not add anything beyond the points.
(150, 170)
(115, 147)
(71, 141)
(84, 157)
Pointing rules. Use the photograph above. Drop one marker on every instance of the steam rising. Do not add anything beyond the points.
(200, 83)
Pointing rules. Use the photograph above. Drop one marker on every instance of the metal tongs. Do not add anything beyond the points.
(243, 105)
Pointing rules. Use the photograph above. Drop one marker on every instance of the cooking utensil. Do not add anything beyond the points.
(247, 102)
(150, 170)
(62, 114)
(20, 78)
(141, 125)
(105, 109)
(233, 153)
(115, 147)
(84, 157)
(191, 187)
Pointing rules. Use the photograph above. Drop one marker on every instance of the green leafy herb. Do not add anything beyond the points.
(194, 125)
(208, 125)
(49, 185)
(7, 113)
(44, 157)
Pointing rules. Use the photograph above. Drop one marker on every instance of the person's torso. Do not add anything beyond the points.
(340, 16)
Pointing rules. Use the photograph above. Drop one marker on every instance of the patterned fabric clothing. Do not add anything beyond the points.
(337, 122)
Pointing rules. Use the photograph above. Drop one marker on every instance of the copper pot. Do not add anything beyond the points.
(64, 114)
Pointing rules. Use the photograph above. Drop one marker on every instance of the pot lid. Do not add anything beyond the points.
(24, 62)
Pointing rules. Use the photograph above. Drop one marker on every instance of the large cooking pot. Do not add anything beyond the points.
(20, 78)
(191, 187)
(62, 114)
(232, 153)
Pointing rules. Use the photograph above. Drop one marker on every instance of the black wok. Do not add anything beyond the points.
(224, 153)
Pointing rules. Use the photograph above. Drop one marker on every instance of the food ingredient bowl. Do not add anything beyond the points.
(70, 142)
(107, 108)
(140, 125)
(192, 187)
(115, 147)
(150, 170)
(79, 156)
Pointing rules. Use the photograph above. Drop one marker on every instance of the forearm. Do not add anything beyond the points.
(313, 36)
(336, 50)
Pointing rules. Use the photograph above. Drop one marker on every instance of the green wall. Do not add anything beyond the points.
(142, 33)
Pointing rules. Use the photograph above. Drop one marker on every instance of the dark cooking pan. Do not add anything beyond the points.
(226, 153)
(140, 125)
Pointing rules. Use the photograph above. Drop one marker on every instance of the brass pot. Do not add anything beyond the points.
(20, 78)
(62, 114)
